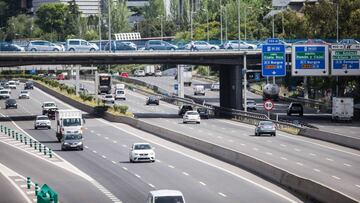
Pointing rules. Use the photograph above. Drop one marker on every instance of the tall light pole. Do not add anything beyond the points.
(337, 22)
(191, 19)
(207, 24)
(221, 23)
(99, 16)
(226, 24)
(109, 13)
(162, 29)
(238, 13)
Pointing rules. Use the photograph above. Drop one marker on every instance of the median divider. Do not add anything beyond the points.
(306, 187)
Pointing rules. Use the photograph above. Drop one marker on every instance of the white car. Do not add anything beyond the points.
(191, 116)
(141, 152)
(42, 122)
(251, 104)
(165, 196)
(215, 86)
(139, 73)
(201, 45)
(158, 73)
(120, 94)
(12, 84)
(4, 94)
(24, 95)
(108, 98)
(48, 105)
(199, 89)
(234, 44)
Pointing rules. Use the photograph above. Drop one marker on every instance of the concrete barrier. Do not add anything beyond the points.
(306, 187)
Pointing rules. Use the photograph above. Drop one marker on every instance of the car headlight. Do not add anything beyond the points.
(65, 143)
(136, 154)
(80, 143)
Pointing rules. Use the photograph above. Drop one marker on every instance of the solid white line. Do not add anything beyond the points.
(317, 170)
(137, 175)
(125, 168)
(199, 160)
(222, 194)
(242, 144)
(348, 165)
(185, 173)
(283, 145)
(337, 178)
(30, 192)
(114, 162)
(256, 149)
(269, 153)
(124, 145)
(95, 151)
(103, 156)
(151, 185)
(202, 183)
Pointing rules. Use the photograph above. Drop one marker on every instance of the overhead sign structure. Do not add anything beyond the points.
(310, 60)
(273, 58)
(345, 59)
(269, 105)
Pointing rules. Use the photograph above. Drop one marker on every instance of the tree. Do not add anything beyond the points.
(21, 26)
(72, 19)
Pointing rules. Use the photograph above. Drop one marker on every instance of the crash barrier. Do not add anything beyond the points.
(306, 187)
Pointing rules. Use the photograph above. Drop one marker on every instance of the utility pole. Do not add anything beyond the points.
(245, 83)
(109, 13)
(221, 23)
(238, 4)
(191, 19)
(99, 16)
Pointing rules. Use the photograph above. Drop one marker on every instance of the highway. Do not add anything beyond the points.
(105, 159)
(330, 164)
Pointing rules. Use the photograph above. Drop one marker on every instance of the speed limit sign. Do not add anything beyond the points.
(268, 105)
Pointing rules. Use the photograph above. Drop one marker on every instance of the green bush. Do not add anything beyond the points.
(86, 97)
(71, 90)
(120, 108)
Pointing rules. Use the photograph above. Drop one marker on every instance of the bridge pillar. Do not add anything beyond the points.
(231, 87)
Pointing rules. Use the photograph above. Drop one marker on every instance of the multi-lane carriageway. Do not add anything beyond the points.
(105, 157)
(106, 174)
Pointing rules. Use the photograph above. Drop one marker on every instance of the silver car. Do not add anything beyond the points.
(42, 45)
(80, 45)
(201, 45)
(234, 44)
(265, 127)
(42, 122)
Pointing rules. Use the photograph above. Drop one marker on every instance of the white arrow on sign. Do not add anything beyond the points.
(274, 72)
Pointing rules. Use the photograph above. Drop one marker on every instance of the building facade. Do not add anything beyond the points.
(87, 7)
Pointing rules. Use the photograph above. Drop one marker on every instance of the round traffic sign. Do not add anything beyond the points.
(269, 105)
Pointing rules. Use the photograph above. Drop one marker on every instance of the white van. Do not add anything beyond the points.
(80, 45)
(120, 94)
(159, 196)
(199, 89)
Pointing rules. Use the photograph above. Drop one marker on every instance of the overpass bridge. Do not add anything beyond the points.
(230, 64)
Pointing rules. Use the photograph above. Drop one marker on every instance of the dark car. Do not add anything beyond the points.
(296, 108)
(152, 100)
(159, 45)
(203, 112)
(72, 141)
(184, 108)
(29, 85)
(5, 46)
(120, 46)
(10, 103)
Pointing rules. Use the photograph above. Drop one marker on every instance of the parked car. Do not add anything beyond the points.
(296, 108)
(203, 112)
(42, 45)
(120, 46)
(5, 46)
(349, 41)
(139, 73)
(184, 108)
(29, 85)
(201, 45)
(124, 74)
(265, 127)
(312, 41)
(165, 196)
(141, 152)
(152, 100)
(108, 98)
(158, 73)
(152, 45)
(24, 94)
(72, 141)
(251, 104)
(215, 86)
(80, 45)
(191, 116)
(234, 44)
(10, 103)
(42, 122)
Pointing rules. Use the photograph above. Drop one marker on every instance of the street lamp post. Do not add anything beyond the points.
(337, 22)
(221, 23)
(238, 5)
(191, 20)
(207, 24)
(226, 24)
(109, 13)
(99, 26)
(162, 29)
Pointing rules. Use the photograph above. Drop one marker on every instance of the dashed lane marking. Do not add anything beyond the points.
(296, 149)
(311, 154)
(256, 149)
(283, 158)
(283, 145)
(151, 185)
(348, 165)
(114, 141)
(103, 156)
(124, 168)
(202, 183)
(357, 186)
(335, 177)
(269, 153)
(94, 151)
(171, 166)
(222, 194)
(317, 170)
(300, 164)
(114, 162)
(185, 173)
(329, 159)
(138, 176)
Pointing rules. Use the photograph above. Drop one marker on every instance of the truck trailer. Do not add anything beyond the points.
(342, 109)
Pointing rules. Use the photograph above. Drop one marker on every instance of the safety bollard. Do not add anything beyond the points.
(17, 136)
(44, 150)
(39, 147)
(21, 138)
(30, 142)
(28, 183)
(25, 140)
(1, 128)
(5, 130)
(36, 189)
(12, 132)
(13, 136)
(50, 153)
(35, 145)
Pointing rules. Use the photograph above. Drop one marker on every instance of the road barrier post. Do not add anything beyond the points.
(30, 142)
(21, 138)
(12, 132)
(35, 145)
(17, 136)
(28, 183)
(25, 140)
(36, 189)
(5, 129)
(44, 150)
(1, 128)
(39, 147)
(50, 153)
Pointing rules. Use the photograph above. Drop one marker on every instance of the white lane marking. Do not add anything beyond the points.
(30, 192)
(86, 128)
(348, 165)
(103, 156)
(300, 164)
(191, 128)
(107, 138)
(124, 145)
(232, 131)
(223, 128)
(231, 140)
(290, 137)
(86, 147)
(283, 158)
(283, 145)
(269, 141)
(357, 186)
(124, 168)
(114, 162)
(201, 161)
(98, 134)
(151, 185)
(185, 173)
(296, 149)
(329, 159)
(138, 176)
(222, 194)
(219, 137)
(312, 154)
(242, 144)
(335, 177)
(317, 170)
(91, 131)
(158, 160)
(95, 151)
(269, 153)
(171, 166)
(202, 183)
(23, 186)
(115, 141)
(256, 149)
(19, 180)
(210, 134)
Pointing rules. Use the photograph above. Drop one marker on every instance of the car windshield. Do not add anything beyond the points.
(192, 113)
(108, 96)
(169, 199)
(119, 92)
(11, 101)
(152, 98)
(266, 123)
(72, 122)
(73, 137)
(4, 92)
(42, 118)
(49, 104)
(142, 147)
(23, 92)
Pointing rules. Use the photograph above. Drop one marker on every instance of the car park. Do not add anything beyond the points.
(29, 85)
(152, 100)
(251, 104)
(165, 196)
(10, 103)
(108, 98)
(184, 108)
(48, 105)
(295, 108)
(203, 112)
(72, 141)
(24, 94)
(191, 116)
(139, 73)
(4, 94)
(42, 45)
(141, 152)
(42, 122)
(234, 44)
(152, 45)
(265, 127)
(12, 84)
(80, 45)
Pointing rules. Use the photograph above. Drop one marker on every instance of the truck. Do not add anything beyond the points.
(105, 83)
(271, 91)
(68, 121)
(187, 75)
(342, 109)
(149, 70)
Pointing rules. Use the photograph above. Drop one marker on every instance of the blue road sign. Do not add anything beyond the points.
(33, 71)
(175, 86)
(257, 76)
(345, 59)
(273, 58)
(310, 60)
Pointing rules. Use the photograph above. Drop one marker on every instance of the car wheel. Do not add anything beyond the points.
(49, 128)
(212, 48)
(151, 49)
(274, 134)
(92, 50)
(198, 122)
(131, 161)
(56, 50)
(35, 128)
(33, 49)
(62, 148)
(72, 49)
(301, 114)
(289, 114)
(229, 48)
(82, 149)
(184, 122)
(153, 161)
